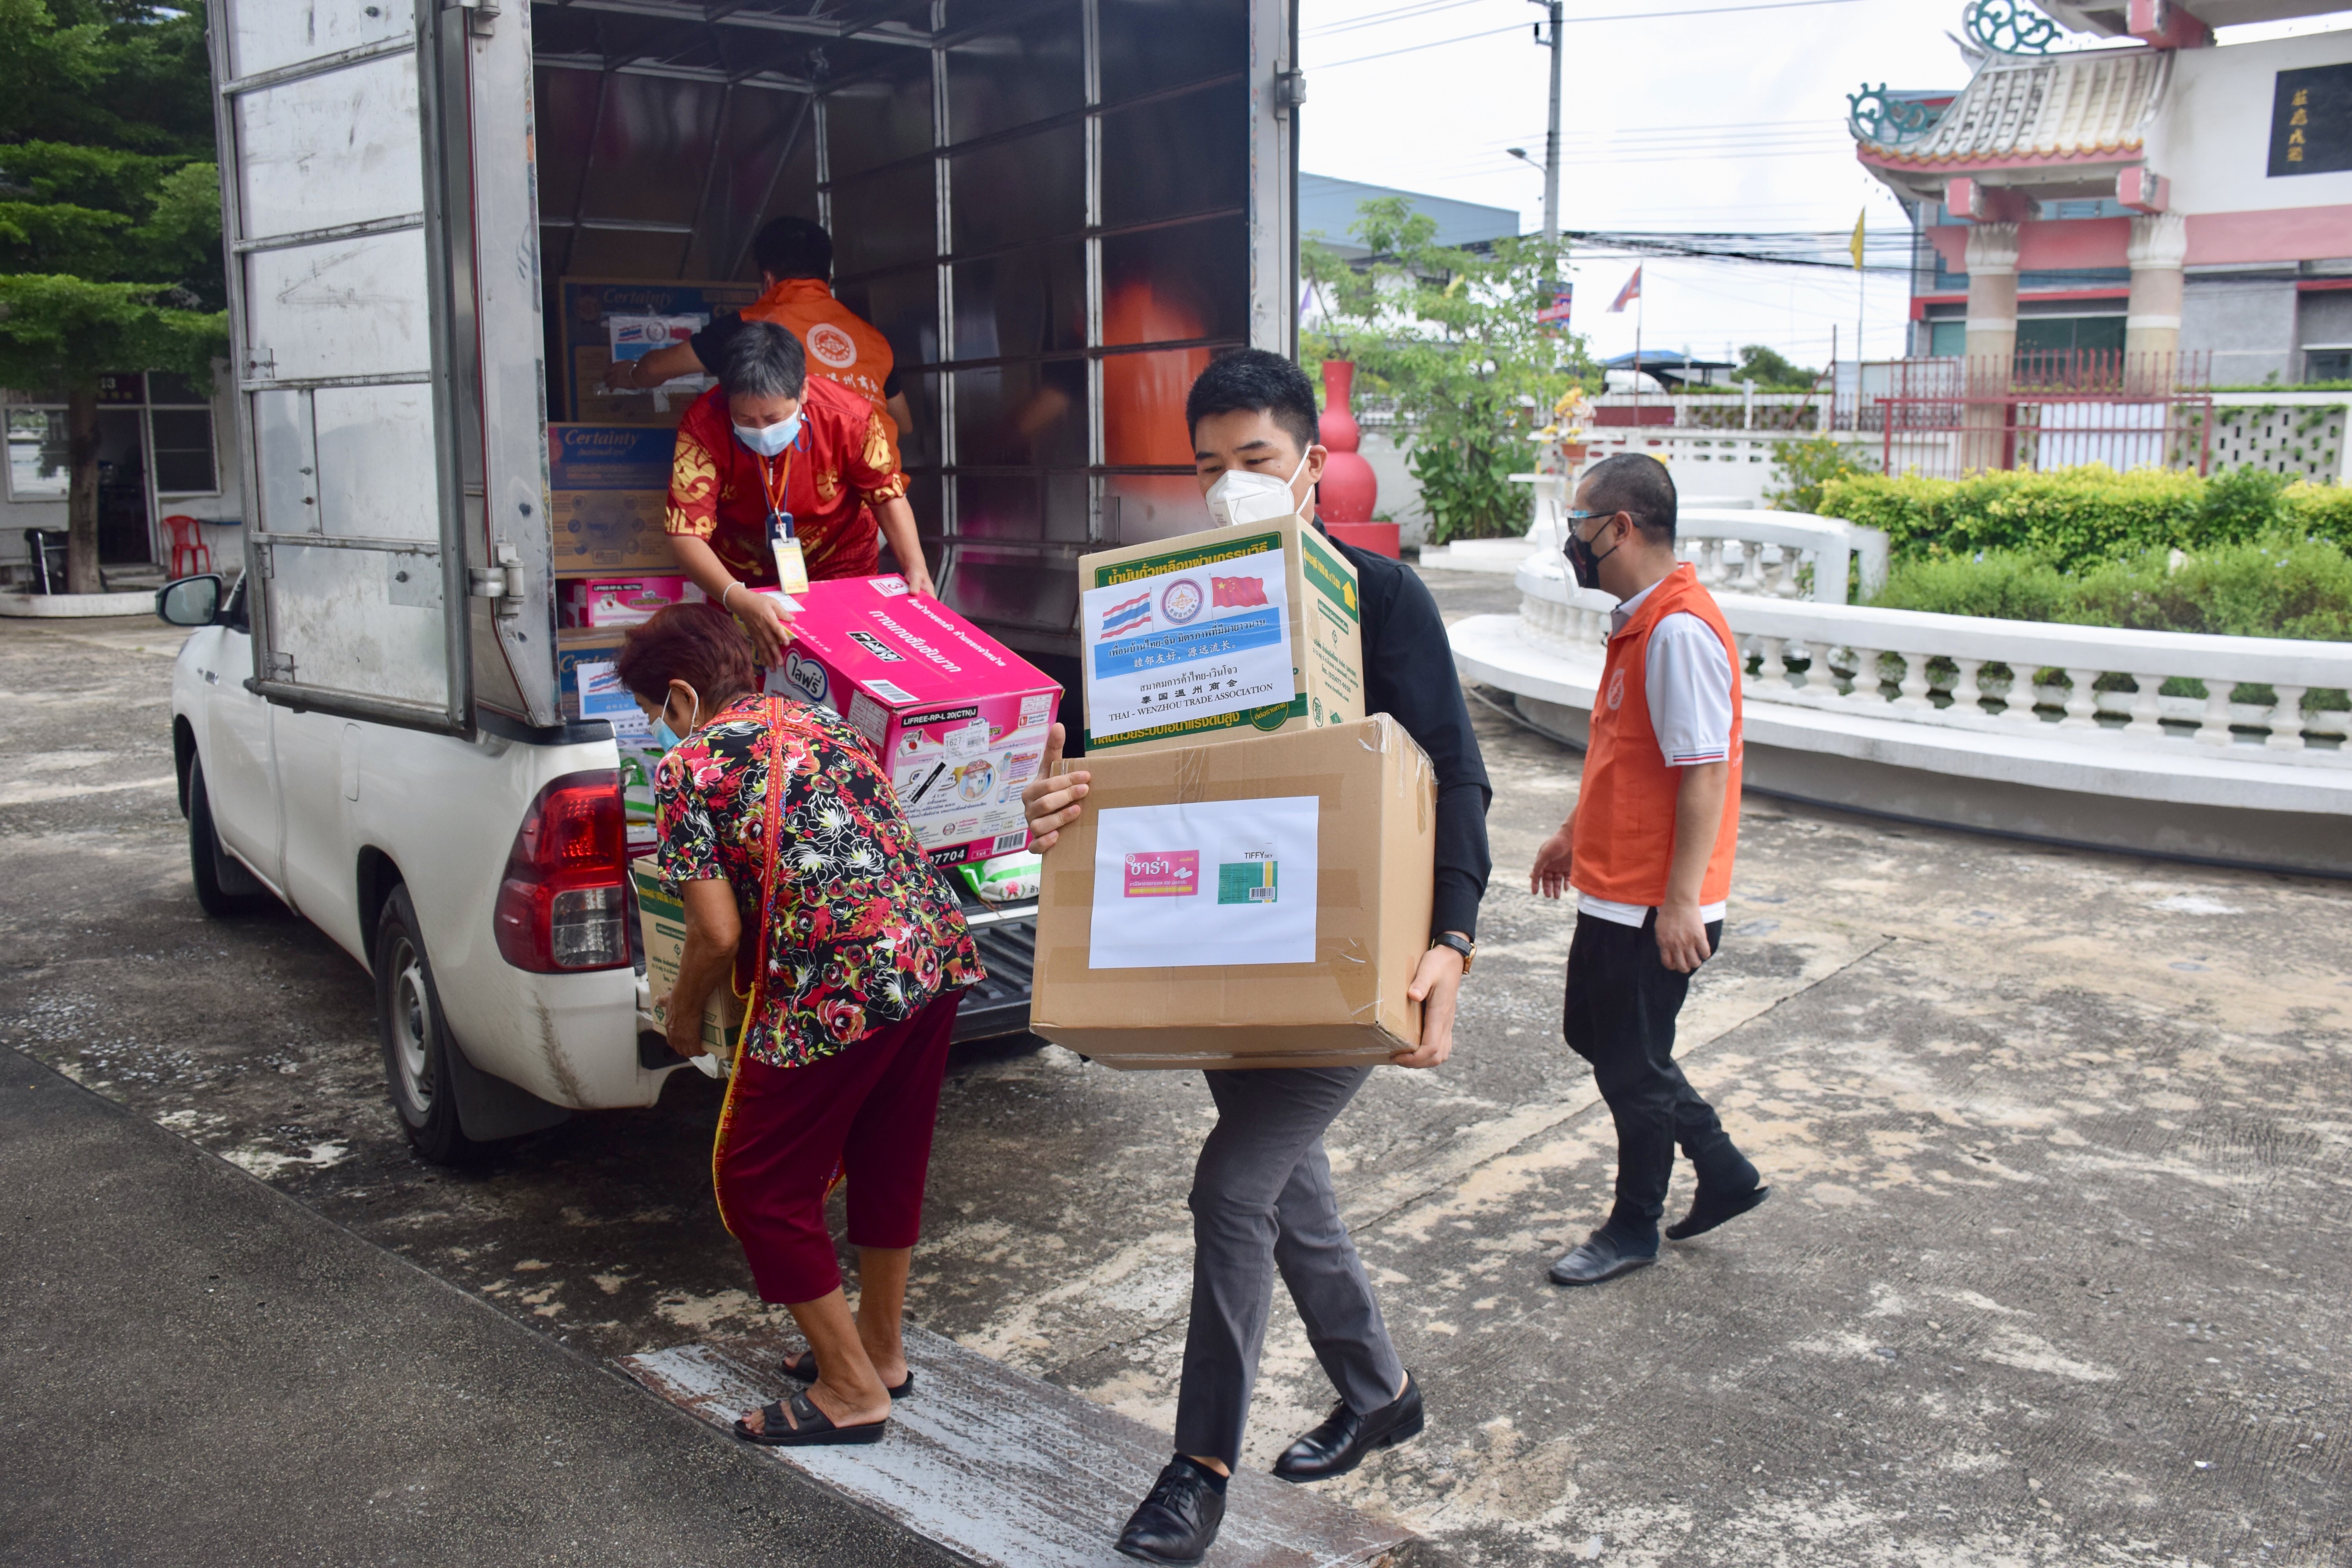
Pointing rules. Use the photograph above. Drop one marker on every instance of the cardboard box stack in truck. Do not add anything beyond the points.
(443, 224)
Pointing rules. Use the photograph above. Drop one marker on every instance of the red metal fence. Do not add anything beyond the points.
(1943, 419)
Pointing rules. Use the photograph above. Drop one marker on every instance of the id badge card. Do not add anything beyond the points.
(791, 569)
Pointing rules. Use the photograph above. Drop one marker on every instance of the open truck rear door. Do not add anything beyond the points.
(378, 221)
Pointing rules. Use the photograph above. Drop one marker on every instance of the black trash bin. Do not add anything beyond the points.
(47, 547)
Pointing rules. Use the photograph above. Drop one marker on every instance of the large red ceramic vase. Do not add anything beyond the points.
(1350, 488)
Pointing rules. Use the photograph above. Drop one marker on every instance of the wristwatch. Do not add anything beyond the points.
(1459, 943)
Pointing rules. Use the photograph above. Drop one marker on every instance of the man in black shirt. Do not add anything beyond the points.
(1262, 1198)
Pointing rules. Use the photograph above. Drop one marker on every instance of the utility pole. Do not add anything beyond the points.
(1551, 137)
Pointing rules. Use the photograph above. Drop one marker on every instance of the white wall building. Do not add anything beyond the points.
(167, 448)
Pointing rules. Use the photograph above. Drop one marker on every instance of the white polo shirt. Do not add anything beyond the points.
(1687, 682)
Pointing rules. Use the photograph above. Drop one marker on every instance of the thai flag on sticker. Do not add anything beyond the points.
(1163, 874)
(1132, 617)
(1236, 592)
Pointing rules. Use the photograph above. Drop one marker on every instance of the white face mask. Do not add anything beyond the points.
(1242, 496)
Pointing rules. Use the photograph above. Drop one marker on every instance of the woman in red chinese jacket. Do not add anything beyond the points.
(773, 457)
(800, 875)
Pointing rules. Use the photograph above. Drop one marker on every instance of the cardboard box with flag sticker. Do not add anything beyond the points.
(1219, 635)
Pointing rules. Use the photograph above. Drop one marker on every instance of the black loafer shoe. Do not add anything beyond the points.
(1598, 1259)
(1177, 1523)
(1708, 1211)
(1340, 1444)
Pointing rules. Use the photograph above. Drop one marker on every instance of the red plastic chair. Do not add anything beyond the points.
(188, 544)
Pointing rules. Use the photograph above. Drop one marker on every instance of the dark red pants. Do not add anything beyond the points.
(867, 1110)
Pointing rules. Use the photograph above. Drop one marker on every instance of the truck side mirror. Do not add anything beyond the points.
(189, 601)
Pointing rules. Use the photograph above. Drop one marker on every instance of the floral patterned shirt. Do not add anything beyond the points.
(864, 932)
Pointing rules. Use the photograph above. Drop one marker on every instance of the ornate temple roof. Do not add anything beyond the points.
(2062, 109)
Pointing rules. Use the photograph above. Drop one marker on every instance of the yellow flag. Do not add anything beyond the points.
(1856, 245)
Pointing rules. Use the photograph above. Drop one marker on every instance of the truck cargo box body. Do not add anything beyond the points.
(1056, 212)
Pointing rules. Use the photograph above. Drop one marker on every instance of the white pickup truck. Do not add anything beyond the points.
(1035, 202)
(483, 882)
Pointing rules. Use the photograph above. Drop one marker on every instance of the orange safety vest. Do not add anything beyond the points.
(841, 345)
(1624, 840)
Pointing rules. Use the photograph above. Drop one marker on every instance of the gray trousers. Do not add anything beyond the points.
(1262, 1201)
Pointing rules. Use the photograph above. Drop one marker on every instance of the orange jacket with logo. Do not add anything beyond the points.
(841, 346)
(1624, 839)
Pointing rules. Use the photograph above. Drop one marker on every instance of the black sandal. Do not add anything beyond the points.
(802, 1368)
(815, 1429)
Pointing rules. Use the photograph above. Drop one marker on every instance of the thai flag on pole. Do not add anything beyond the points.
(1131, 617)
(1235, 593)
(1628, 294)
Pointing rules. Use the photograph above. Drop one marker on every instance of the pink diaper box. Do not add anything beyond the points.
(958, 719)
(623, 601)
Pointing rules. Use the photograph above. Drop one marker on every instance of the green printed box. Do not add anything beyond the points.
(1219, 635)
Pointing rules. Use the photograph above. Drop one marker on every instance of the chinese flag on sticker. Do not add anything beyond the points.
(1236, 592)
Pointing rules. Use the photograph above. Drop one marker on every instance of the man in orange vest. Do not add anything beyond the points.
(1647, 851)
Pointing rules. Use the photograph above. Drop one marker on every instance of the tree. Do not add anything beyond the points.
(110, 215)
(1451, 335)
(1772, 373)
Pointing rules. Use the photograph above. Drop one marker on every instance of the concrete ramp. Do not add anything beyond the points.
(1012, 1472)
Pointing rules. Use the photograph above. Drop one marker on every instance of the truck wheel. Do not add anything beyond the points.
(224, 887)
(416, 1044)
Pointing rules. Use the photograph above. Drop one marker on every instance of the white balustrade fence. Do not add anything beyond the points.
(1963, 671)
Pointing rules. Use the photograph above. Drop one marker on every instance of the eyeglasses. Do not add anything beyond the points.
(1577, 518)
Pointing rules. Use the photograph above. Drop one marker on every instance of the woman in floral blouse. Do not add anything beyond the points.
(799, 872)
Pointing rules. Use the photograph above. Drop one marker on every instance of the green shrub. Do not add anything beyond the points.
(2273, 587)
(2072, 517)
(2318, 511)
(1802, 471)
(2007, 584)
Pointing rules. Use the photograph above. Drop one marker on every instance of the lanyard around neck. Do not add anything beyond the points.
(777, 484)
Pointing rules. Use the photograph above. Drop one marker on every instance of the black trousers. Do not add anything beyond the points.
(1619, 1015)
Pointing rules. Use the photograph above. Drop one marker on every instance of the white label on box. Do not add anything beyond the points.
(1194, 643)
(868, 717)
(967, 740)
(890, 692)
(1036, 711)
(1211, 882)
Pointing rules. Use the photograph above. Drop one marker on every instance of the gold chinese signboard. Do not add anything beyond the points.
(2311, 121)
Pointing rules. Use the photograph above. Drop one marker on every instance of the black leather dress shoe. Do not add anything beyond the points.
(1600, 1257)
(1708, 1210)
(1177, 1524)
(1340, 1444)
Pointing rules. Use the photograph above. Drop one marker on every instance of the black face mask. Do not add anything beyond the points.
(1583, 561)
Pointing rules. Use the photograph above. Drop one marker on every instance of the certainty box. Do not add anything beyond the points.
(1250, 903)
(590, 309)
(609, 489)
(1219, 634)
(958, 719)
(661, 923)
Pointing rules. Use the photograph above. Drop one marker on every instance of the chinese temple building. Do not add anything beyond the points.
(2112, 179)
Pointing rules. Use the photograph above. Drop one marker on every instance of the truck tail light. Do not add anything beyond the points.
(564, 905)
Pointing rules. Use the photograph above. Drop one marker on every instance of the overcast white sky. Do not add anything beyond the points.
(1733, 119)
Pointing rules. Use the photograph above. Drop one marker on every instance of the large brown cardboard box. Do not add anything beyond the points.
(609, 491)
(1184, 640)
(1245, 903)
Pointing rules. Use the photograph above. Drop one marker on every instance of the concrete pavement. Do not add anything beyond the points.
(198, 1370)
(2056, 1273)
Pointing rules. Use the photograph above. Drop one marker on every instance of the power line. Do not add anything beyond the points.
(1624, 16)
(1382, 18)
